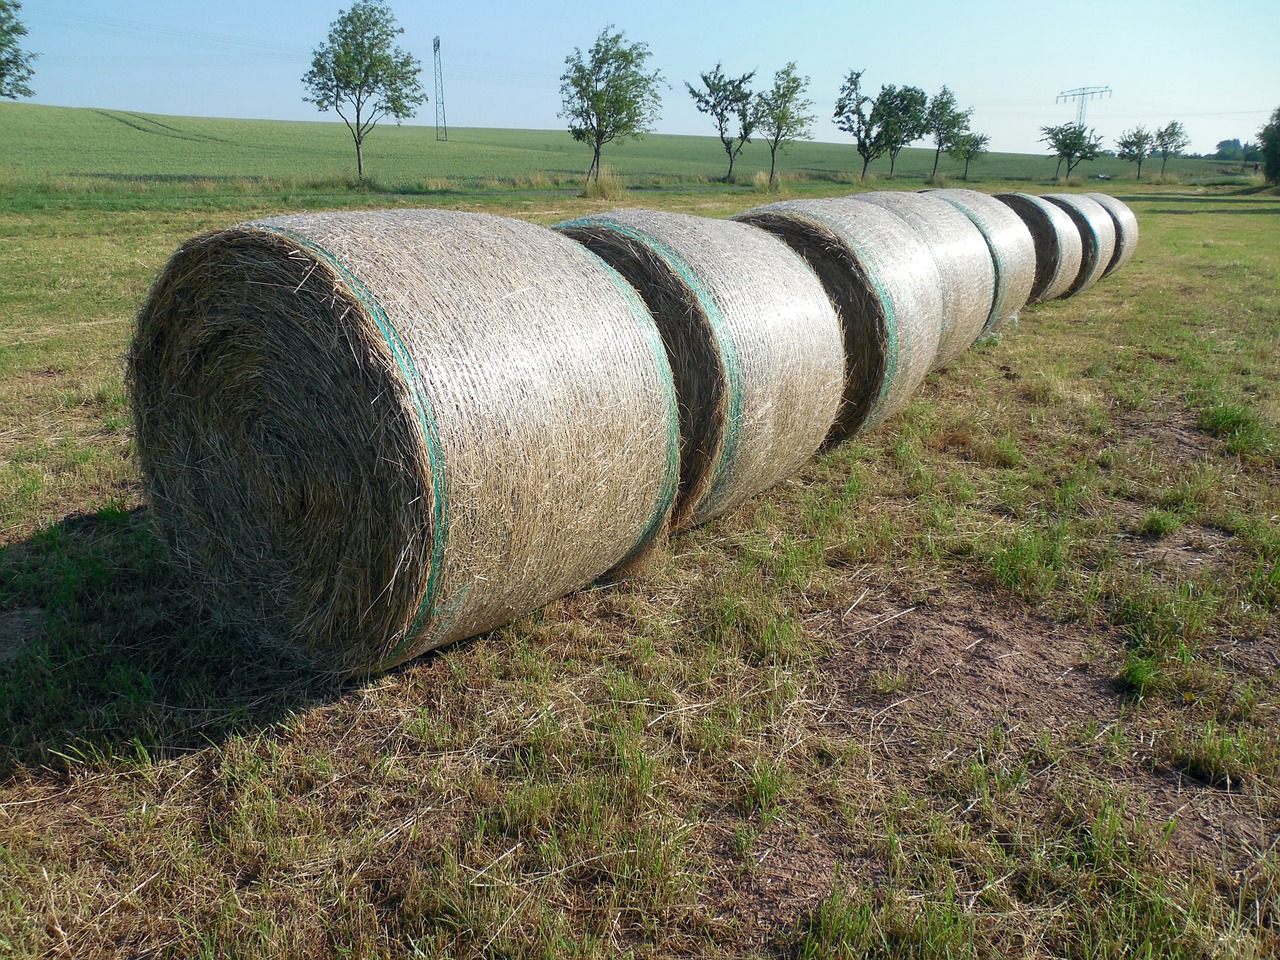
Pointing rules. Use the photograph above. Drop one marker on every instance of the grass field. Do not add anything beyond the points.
(61, 151)
(1001, 678)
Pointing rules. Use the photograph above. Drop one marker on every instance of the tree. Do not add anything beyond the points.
(782, 113)
(1071, 143)
(362, 75)
(1229, 150)
(1135, 146)
(1170, 140)
(854, 114)
(726, 99)
(1269, 141)
(947, 122)
(15, 63)
(608, 94)
(969, 146)
(902, 112)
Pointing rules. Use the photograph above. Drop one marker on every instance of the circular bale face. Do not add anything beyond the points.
(964, 264)
(1059, 248)
(1097, 237)
(1013, 252)
(754, 344)
(1126, 225)
(367, 434)
(886, 289)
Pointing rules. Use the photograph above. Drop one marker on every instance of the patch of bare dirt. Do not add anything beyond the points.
(918, 686)
(1190, 549)
(1173, 432)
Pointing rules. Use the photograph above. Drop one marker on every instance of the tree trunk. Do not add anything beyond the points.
(359, 161)
(1164, 158)
(773, 161)
(966, 169)
(1139, 168)
(865, 163)
(728, 177)
(936, 155)
(1058, 172)
(893, 162)
(594, 171)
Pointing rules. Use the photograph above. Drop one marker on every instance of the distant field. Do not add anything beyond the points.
(87, 149)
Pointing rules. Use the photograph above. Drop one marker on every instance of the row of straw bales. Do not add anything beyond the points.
(368, 434)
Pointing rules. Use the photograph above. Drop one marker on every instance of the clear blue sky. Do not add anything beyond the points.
(1214, 68)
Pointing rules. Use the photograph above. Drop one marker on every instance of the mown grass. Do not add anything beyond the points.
(998, 679)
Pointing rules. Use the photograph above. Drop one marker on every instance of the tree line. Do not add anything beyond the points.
(609, 94)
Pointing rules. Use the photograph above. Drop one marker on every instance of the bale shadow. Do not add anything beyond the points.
(104, 657)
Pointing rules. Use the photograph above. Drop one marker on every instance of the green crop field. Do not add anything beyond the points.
(1000, 678)
(61, 150)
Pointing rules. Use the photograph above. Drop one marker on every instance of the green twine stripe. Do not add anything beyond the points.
(891, 358)
(731, 441)
(671, 475)
(426, 416)
(988, 231)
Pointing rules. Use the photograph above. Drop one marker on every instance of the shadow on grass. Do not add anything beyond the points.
(104, 659)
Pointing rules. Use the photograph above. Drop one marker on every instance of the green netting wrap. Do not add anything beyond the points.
(367, 434)
(1126, 225)
(1059, 249)
(886, 289)
(753, 342)
(1097, 237)
(1012, 251)
(964, 264)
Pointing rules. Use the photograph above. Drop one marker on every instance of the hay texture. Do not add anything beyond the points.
(886, 289)
(1126, 224)
(754, 345)
(964, 265)
(368, 434)
(1013, 253)
(1059, 249)
(1097, 237)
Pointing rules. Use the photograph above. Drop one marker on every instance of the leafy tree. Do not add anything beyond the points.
(15, 63)
(1071, 143)
(608, 94)
(967, 147)
(1170, 140)
(727, 99)
(1269, 141)
(855, 114)
(1229, 150)
(782, 112)
(947, 122)
(1135, 146)
(362, 75)
(901, 111)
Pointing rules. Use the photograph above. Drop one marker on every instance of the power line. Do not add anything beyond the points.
(1082, 95)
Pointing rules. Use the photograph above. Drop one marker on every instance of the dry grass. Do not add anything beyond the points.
(995, 679)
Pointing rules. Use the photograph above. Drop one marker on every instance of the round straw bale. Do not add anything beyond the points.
(1012, 251)
(368, 434)
(1059, 249)
(753, 341)
(1126, 224)
(1097, 236)
(886, 289)
(964, 264)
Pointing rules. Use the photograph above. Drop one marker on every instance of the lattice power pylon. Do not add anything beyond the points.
(442, 127)
(1082, 95)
